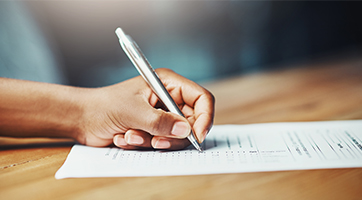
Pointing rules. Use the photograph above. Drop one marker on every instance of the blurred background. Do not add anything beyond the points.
(73, 42)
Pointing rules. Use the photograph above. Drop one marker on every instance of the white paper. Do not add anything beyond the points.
(231, 149)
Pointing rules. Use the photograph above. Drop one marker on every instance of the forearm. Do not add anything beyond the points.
(32, 109)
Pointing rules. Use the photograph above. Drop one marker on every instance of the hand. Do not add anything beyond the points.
(129, 114)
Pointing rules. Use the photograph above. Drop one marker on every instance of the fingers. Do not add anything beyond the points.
(158, 122)
(120, 141)
(198, 102)
(203, 110)
(204, 116)
(169, 143)
(137, 139)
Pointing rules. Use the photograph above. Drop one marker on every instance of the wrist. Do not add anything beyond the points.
(73, 114)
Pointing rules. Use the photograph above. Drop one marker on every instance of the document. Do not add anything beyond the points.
(231, 149)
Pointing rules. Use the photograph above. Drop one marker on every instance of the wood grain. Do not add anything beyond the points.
(325, 91)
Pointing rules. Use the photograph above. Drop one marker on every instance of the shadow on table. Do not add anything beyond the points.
(7, 143)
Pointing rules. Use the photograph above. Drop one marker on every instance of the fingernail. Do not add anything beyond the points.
(180, 129)
(135, 139)
(120, 141)
(203, 136)
(162, 144)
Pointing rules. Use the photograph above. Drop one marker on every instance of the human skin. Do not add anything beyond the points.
(127, 114)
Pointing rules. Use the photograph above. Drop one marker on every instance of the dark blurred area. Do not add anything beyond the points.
(201, 40)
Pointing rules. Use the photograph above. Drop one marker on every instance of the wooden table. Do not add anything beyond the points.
(324, 91)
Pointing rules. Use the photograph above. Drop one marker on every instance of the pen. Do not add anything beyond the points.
(142, 65)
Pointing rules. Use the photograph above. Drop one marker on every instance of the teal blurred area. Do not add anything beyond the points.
(25, 53)
(73, 42)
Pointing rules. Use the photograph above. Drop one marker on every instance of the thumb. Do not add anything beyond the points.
(158, 122)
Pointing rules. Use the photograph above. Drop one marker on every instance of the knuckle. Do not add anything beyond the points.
(163, 70)
(211, 97)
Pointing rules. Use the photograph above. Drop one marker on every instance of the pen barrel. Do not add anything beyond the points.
(142, 65)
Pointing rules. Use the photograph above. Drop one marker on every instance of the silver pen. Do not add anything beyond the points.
(142, 65)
